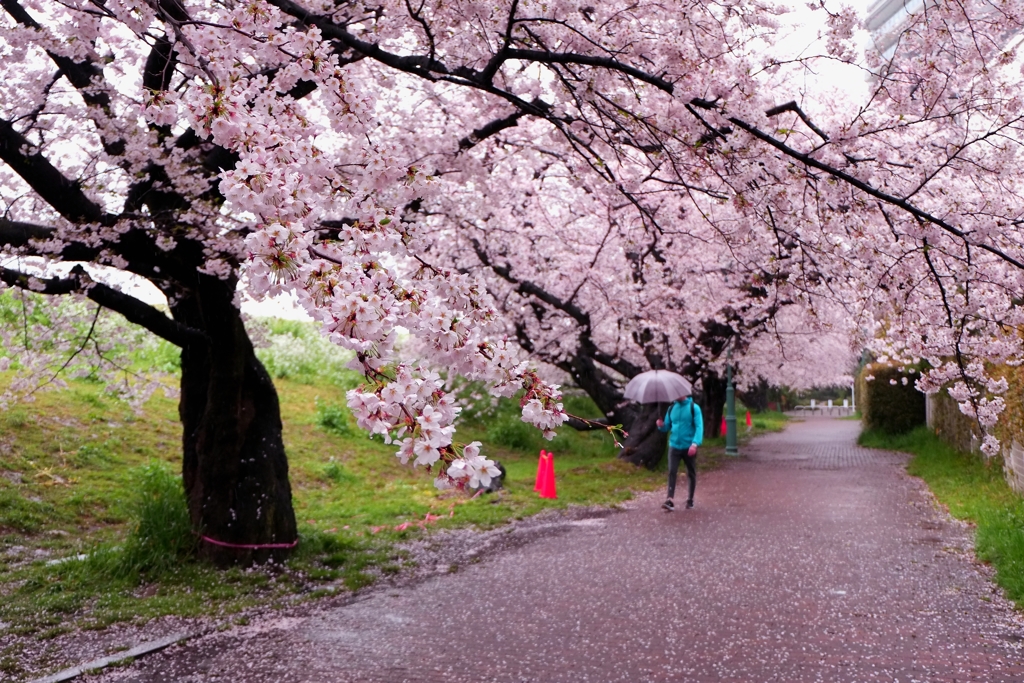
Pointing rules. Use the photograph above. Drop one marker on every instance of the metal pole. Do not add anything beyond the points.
(730, 411)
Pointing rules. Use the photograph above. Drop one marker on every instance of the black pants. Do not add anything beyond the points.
(674, 456)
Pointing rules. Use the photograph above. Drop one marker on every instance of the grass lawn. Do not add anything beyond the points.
(974, 490)
(83, 479)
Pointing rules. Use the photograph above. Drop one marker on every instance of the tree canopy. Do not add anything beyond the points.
(606, 188)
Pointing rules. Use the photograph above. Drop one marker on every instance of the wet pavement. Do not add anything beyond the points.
(809, 559)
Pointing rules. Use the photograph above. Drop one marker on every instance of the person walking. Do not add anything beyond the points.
(685, 424)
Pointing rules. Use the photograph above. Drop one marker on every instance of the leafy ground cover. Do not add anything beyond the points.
(93, 527)
(974, 490)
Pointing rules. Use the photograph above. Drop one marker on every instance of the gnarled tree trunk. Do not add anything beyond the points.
(646, 445)
(234, 467)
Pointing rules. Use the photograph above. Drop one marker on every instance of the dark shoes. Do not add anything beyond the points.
(668, 505)
(689, 504)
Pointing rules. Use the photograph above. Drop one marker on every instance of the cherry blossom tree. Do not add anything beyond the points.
(801, 193)
(582, 286)
(910, 206)
(342, 151)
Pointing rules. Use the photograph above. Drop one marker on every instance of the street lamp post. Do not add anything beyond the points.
(730, 409)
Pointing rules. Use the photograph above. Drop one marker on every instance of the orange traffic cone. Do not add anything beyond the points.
(542, 472)
(547, 487)
(748, 419)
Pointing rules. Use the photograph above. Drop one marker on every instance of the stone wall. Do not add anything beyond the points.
(962, 432)
(1013, 466)
(952, 426)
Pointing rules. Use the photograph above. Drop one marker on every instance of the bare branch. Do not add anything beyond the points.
(794, 107)
(492, 128)
(870, 190)
(134, 310)
(54, 187)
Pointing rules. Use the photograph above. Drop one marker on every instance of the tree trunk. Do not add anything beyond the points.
(712, 404)
(645, 445)
(234, 468)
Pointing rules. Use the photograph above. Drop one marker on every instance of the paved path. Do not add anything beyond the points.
(809, 560)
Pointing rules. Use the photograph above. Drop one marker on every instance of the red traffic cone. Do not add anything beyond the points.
(748, 419)
(723, 424)
(542, 472)
(547, 487)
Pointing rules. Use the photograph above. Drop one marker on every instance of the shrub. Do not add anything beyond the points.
(332, 418)
(334, 471)
(297, 351)
(92, 454)
(890, 402)
(159, 356)
(512, 432)
(14, 419)
(951, 425)
(161, 534)
(1011, 423)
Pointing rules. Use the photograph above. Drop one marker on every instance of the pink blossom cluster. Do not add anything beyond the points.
(595, 188)
(363, 281)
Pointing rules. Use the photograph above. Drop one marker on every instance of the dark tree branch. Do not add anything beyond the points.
(156, 76)
(134, 310)
(425, 67)
(794, 107)
(530, 289)
(135, 245)
(545, 57)
(18, 234)
(864, 187)
(619, 365)
(487, 75)
(588, 352)
(64, 195)
(85, 75)
(417, 16)
(938, 282)
(712, 133)
(492, 128)
(430, 68)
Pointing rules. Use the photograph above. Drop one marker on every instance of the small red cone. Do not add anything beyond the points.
(723, 424)
(547, 487)
(748, 418)
(542, 472)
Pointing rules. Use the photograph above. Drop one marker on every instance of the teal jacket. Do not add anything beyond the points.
(685, 431)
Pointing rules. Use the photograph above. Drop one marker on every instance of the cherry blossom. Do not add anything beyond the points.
(518, 186)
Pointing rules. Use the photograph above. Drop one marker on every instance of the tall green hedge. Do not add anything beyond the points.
(890, 402)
